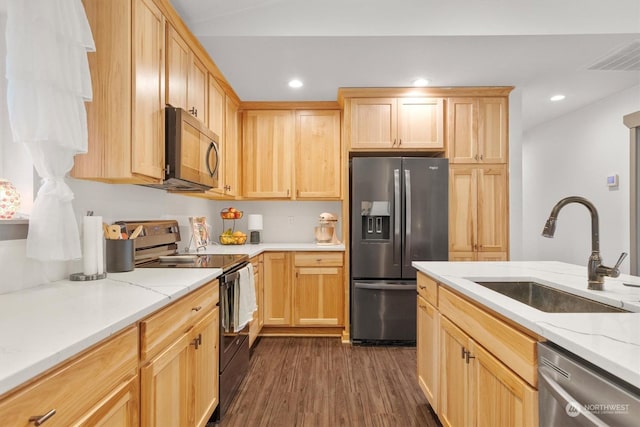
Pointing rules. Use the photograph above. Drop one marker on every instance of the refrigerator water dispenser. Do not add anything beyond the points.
(376, 220)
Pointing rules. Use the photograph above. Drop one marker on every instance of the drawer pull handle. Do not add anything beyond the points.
(40, 419)
(422, 286)
(198, 308)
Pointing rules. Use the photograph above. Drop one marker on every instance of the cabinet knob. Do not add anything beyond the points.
(197, 341)
(469, 356)
(40, 419)
(194, 111)
(463, 353)
(198, 308)
(400, 142)
(475, 157)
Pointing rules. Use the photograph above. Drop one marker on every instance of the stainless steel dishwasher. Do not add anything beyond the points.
(572, 392)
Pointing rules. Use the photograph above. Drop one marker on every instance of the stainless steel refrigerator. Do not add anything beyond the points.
(399, 214)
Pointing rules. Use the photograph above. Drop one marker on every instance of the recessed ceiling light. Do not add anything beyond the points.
(558, 97)
(295, 83)
(420, 82)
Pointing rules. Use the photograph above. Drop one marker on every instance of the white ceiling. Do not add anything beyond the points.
(542, 47)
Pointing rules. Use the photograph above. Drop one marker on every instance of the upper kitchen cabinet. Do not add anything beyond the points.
(186, 77)
(396, 123)
(478, 130)
(292, 154)
(318, 154)
(267, 145)
(126, 116)
(232, 168)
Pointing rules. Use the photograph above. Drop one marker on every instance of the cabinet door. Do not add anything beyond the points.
(513, 402)
(454, 376)
(493, 210)
(373, 123)
(165, 386)
(492, 130)
(119, 409)
(268, 138)
(178, 65)
(205, 366)
(197, 88)
(318, 154)
(147, 143)
(216, 107)
(277, 288)
(427, 350)
(463, 205)
(462, 119)
(231, 148)
(421, 123)
(463, 256)
(317, 296)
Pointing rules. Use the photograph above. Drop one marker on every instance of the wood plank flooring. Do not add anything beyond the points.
(322, 382)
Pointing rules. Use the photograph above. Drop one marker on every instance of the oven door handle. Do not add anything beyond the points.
(565, 400)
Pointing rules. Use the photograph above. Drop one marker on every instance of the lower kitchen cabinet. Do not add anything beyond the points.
(307, 290)
(98, 387)
(258, 318)
(179, 380)
(479, 370)
(277, 288)
(428, 329)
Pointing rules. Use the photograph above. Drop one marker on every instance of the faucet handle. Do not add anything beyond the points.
(614, 271)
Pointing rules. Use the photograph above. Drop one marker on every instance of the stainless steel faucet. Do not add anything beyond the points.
(596, 270)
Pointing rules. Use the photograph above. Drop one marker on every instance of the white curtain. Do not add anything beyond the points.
(48, 84)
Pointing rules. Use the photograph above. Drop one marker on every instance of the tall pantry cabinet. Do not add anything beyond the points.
(478, 178)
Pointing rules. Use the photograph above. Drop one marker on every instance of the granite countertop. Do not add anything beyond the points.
(47, 324)
(608, 340)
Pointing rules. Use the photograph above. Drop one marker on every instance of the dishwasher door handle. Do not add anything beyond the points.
(564, 399)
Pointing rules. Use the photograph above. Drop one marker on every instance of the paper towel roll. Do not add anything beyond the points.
(99, 245)
(90, 244)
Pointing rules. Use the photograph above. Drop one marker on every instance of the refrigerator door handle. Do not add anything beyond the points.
(396, 216)
(384, 286)
(407, 224)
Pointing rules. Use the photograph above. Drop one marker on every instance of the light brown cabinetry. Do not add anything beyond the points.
(303, 289)
(125, 119)
(179, 354)
(292, 154)
(232, 164)
(478, 212)
(186, 77)
(478, 130)
(98, 387)
(258, 317)
(267, 146)
(318, 167)
(428, 331)
(477, 354)
(397, 123)
(318, 289)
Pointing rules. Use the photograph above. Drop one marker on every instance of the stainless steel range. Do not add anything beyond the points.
(156, 247)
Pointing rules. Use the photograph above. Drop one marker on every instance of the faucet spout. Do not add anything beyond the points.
(596, 270)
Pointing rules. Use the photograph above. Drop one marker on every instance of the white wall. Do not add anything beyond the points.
(573, 155)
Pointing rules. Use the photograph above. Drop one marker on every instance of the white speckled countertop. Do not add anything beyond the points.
(608, 340)
(48, 324)
(257, 249)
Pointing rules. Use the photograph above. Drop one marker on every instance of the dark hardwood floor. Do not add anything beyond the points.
(322, 382)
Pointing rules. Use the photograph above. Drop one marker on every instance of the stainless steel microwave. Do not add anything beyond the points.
(191, 151)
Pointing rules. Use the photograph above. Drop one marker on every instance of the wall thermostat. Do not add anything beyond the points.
(612, 180)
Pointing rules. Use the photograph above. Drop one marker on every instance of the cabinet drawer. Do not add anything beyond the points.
(428, 289)
(75, 388)
(164, 326)
(317, 259)
(514, 348)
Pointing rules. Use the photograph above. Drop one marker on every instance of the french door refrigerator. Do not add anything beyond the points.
(399, 214)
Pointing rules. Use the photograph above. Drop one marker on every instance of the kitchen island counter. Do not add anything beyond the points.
(47, 324)
(608, 340)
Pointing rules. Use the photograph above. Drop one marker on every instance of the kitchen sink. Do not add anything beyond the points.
(550, 300)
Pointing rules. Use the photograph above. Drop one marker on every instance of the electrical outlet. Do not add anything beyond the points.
(292, 220)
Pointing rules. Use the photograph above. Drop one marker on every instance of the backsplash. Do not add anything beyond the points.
(283, 221)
